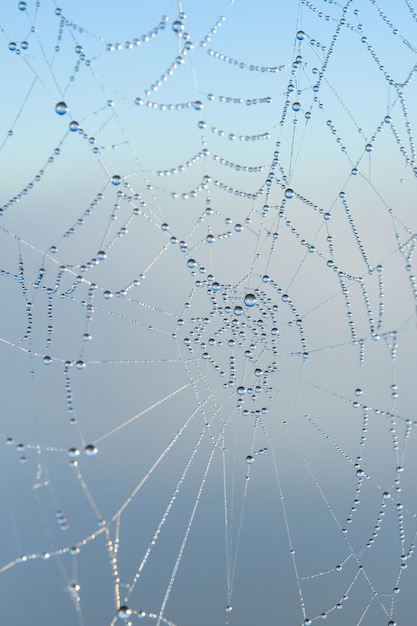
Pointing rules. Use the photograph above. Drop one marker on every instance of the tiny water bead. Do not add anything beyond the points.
(47, 360)
(116, 179)
(22, 6)
(250, 300)
(177, 27)
(124, 612)
(289, 193)
(61, 108)
(249, 459)
(73, 126)
(90, 450)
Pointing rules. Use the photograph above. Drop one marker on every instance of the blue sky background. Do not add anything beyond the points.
(152, 363)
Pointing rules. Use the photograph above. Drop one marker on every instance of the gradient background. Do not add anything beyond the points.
(267, 538)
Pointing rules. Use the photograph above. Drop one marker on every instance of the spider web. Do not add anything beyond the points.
(208, 313)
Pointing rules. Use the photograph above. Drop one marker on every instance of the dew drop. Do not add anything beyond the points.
(289, 193)
(61, 108)
(74, 126)
(358, 392)
(301, 35)
(116, 180)
(124, 612)
(296, 106)
(22, 6)
(249, 459)
(250, 299)
(90, 450)
(177, 27)
(47, 360)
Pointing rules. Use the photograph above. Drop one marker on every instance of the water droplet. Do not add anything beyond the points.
(74, 588)
(124, 612)
(289, 193)
(198, 105)
(80, 365)
(47, 360)
(90, 450)
(107, 295)
(22, 6)
(12, 46)
(296, 106)
(301, 35)
(249, 459)
(210, 238)
(358, 392)
(61, 108)
(73, 453)
(116, 180)
(238, 310)
(74, 126)
(229, 608)
(369, 147)
(241, 390)
(250, 299)
(177, 27)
